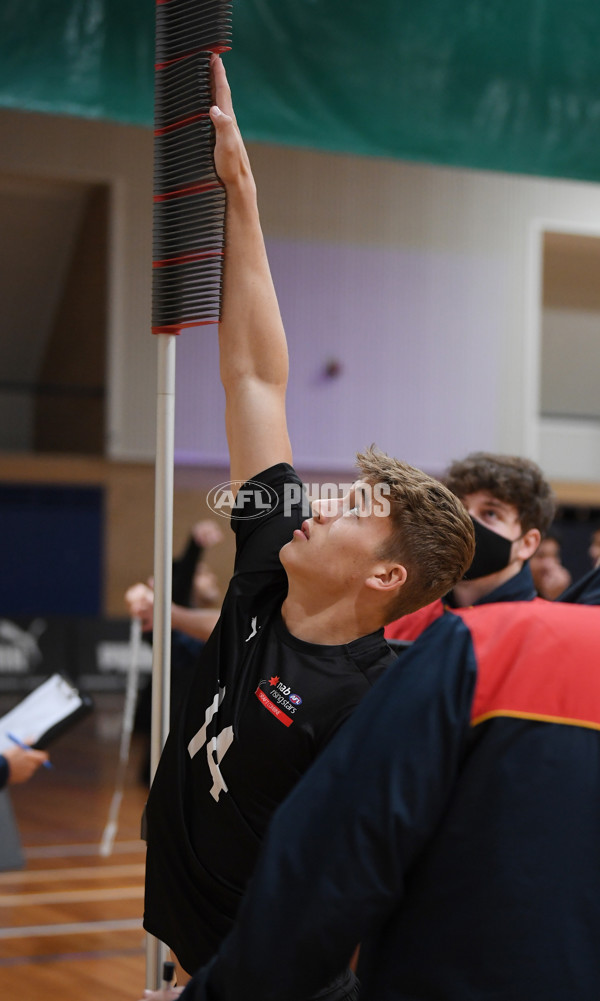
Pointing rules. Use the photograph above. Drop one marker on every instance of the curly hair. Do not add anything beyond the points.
(510, 479)
(432, 533)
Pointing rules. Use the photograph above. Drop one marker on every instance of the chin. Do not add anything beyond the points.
(292, 562)
(284, 553)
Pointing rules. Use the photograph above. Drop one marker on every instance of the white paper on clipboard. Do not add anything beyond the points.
(44, 713)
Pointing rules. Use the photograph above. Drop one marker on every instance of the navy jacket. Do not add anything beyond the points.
(452, 827)
(585, 591)
(409, 627)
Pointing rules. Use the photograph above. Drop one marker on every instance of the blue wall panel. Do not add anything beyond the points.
(52, 541)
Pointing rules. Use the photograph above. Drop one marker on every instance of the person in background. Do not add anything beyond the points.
(187, 590)
(550, 577)
(586, 590)
(18, 765)
(195, 589)
(194, 613)
(512, 506)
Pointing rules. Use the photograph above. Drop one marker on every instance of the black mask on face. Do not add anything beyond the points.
(492, 552)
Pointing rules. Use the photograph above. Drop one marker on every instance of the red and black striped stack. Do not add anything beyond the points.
(189, 200)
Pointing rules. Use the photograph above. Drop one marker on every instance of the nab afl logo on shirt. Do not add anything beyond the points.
(280, 701)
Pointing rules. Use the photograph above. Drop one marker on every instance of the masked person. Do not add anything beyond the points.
(512, 506)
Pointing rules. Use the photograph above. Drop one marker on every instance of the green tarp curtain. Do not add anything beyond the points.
(502, 84)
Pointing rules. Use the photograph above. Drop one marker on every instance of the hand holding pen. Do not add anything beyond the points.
(23, 760)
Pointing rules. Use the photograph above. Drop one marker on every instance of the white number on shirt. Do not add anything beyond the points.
(216, 747)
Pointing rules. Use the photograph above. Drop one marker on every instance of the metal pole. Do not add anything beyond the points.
(163, 559)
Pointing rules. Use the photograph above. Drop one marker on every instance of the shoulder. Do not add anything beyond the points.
(267, 509)
(410, 626)
(537, 660)
(530, 619)
(423, 701)
(280, 480)
(441, 661)
(275, 493)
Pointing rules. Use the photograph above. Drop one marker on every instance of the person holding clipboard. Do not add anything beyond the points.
(49, 710)
(19, 763)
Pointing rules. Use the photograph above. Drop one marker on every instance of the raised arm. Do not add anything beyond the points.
(253, 349)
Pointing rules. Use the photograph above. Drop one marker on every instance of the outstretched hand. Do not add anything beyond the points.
(231, 159)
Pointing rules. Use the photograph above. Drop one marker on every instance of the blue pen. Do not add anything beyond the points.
(26, 747)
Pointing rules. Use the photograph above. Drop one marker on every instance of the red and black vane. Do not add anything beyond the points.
(189, 199)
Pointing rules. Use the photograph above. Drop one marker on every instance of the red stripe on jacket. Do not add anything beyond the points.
(536, 660)
(410, 626)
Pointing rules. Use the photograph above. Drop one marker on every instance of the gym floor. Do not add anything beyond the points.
(71, 919)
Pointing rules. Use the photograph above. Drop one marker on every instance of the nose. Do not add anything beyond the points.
(325, 508)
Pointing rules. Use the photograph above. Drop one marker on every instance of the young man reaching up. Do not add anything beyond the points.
(300, 638)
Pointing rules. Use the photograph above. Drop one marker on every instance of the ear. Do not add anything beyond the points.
(387, 578)
(529, 543)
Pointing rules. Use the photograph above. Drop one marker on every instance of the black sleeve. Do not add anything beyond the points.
(338, 850)
(267, 510)
(585, 591)
(3, 771)
(184, 568)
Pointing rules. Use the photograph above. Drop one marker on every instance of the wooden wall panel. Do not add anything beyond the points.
(129, 507)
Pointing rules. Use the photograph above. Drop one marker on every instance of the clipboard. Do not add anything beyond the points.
(43, 715)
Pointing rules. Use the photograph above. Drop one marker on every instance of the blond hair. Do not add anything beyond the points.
(432, 533)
